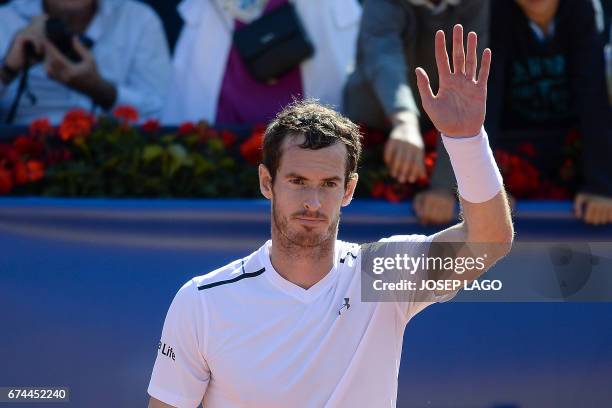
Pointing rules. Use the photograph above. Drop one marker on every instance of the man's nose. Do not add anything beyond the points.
(312, 201)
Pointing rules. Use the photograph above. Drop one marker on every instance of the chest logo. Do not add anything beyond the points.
(345, 305)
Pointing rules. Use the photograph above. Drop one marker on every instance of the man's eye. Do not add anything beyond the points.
(296, 181)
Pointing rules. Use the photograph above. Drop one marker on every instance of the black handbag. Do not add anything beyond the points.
(273, 44)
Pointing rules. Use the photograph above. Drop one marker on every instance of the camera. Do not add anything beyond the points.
(57, 32)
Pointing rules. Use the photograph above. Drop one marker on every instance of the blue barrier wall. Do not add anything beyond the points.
(85, 285)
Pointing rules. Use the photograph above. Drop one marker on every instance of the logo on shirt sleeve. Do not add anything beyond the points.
(166, 350)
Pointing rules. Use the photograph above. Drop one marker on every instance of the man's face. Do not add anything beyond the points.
(307, 193)
(536, 8)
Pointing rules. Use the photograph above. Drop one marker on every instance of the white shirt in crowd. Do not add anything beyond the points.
(243, 336)
(130, 49)
(202, 50)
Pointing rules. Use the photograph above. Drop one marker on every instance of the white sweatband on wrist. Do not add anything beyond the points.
(477, 174)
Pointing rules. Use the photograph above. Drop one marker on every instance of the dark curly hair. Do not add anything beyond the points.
(320, 125)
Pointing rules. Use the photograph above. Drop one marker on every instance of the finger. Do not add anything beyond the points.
(430, 211)
(471, 62)
(399, 155)
(442, 61)
(388, 153)
(590, 213)
(418, 204)
(458, 51)
(450, 211)
(485, 67)
(579, 202)
(593, 215)
(80, 48)
(406, 168)
(35, 42)
(415, 171)
(600, 215)
(421, 171)
(424, 86)
(437, 214)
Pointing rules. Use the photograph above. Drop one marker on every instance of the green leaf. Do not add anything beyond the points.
(151, 152)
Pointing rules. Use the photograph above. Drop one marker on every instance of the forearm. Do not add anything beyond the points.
(488, 222)
(486, 229)
(390, 84)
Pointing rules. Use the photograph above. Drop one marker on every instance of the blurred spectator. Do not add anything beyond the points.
(397, 36)
(547, 78)
(128, 63)
(212, 83)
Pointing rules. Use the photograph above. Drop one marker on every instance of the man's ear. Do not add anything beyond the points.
(350, 189)
(265, 181)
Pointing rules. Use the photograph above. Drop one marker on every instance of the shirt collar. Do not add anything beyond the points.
(434, 8)
(540, 35)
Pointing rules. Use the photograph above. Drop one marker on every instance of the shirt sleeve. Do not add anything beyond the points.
(181, 374)
(147, 82)
(419, 300)
(381, 51)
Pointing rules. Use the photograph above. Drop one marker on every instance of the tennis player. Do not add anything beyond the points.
(285, 326)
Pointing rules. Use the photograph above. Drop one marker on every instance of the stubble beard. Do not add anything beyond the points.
(302, 244)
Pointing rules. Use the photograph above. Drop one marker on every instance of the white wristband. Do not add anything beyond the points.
(478, 177)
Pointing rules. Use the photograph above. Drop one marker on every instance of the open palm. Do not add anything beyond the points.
(458, 110)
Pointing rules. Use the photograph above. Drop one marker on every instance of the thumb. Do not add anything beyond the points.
(424, 87)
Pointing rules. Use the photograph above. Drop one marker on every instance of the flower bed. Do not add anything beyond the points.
(109, 157)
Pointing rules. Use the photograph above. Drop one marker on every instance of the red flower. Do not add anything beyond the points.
(76, 124)
(228, 138)
(187, 128)
(397, 192)
(126, 113)
(151, 126)
(8, 153)
(28, 146)
(6, 181)
(431, 138)
(207, 134)
(430, 161)
(41, 127)
(28, 172)
(251, 149)
(378, 190)
(521, 177)
(392, 194)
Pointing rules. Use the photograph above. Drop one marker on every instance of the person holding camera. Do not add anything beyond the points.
(88, 54)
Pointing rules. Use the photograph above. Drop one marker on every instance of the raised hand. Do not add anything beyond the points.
(458, 110)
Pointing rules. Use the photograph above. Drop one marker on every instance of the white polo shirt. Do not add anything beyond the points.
(243, 336)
